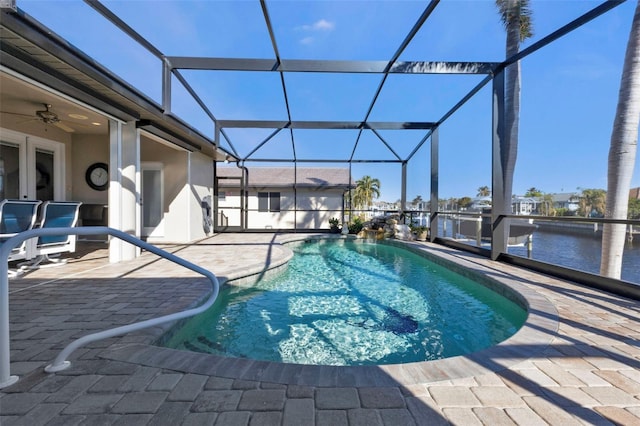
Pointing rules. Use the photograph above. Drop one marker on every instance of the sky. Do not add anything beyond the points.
(569, 88)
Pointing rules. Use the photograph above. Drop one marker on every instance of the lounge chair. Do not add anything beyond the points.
(17, 216)
(55, 214)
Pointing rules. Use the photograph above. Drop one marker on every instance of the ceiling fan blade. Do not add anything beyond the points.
(63, 127)
(16, 113)
(28, 120)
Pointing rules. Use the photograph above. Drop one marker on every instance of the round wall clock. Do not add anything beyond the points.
(97, 176)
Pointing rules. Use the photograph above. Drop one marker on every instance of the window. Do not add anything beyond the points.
(222, 195)
(268, 201)
(274, 201)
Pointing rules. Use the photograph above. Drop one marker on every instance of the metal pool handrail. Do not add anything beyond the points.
(60, 362)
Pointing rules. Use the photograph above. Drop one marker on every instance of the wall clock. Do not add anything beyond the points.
(97, 176)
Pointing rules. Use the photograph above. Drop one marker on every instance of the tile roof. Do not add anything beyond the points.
(323, 177)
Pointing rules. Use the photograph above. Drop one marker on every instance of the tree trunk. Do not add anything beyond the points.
(622, 154)
(509, 138)
(509, 143)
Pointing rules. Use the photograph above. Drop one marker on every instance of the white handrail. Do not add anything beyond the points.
(60, 362)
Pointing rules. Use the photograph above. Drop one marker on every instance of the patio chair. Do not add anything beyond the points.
(17, 216)
(55, 214)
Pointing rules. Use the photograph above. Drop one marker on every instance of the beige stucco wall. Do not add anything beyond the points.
(200, 187)
(86, 150)
(271, 220)
(188, 178)
(175, 167)
(315, 208)
(324, 204)
(229, 206)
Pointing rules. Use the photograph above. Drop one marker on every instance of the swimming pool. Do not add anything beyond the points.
(343, 302)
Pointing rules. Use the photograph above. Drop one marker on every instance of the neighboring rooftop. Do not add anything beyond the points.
(286, 177)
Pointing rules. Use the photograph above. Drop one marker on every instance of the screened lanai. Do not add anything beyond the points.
(411, 93)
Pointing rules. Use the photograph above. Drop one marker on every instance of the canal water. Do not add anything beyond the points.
(576, 251)
(580, 252)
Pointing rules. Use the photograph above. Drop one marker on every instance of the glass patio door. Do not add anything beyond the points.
(11, 174)
(44, 180)
(31, 168)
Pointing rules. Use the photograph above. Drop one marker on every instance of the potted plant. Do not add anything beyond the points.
(420, 232)
(356, 225)
(333, 224)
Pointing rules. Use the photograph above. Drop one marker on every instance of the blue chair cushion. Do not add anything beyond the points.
(58, 216)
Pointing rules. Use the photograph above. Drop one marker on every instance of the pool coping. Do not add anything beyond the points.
(536, 334)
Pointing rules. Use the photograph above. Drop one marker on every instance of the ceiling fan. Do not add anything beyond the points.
(46, 116)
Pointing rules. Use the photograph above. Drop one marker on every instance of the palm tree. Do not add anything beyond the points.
(593, 200)
(622, 154)
(533, 192)
(484, 191)
(634, 208)
(365, 191)
(546, 206)
(516, 17)
(464, 202)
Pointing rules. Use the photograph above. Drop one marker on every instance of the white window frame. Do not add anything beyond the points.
(27, 146)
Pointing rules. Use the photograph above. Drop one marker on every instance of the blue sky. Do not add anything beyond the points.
(569, 89)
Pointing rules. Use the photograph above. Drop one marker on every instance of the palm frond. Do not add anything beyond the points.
(510, 10)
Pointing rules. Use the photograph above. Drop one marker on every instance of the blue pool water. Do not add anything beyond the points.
(352, 303)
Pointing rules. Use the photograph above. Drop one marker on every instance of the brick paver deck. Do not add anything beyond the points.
(577, 361)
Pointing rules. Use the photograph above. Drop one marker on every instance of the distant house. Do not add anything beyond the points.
(566, 200)
(384, 206)
(479, 203)
(280, 197)
(635, 193)
(523, 205)
(379, 209)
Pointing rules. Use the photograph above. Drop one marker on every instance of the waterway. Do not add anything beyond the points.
(580, 252)
(576, 251)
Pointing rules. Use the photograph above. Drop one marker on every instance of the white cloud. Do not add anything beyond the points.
(320, 25)
(323, 25)
(307, 40)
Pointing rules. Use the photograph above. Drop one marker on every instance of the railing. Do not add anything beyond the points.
(443, 235)
(60, 362)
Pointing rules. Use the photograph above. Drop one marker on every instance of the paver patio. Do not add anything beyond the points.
(585, 371)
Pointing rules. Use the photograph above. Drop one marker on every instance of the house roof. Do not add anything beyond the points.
(565, 197)
(317, 177)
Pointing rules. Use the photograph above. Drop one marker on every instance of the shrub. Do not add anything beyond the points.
(356, 225)
(416, 229)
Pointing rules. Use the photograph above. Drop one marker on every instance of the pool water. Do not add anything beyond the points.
(344, 302)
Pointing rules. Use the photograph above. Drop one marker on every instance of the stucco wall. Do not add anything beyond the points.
(324, 204)
(314, 209)
(201, 186)
(229, 207)
(86, 150)
(174, 227)
(188, 179)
